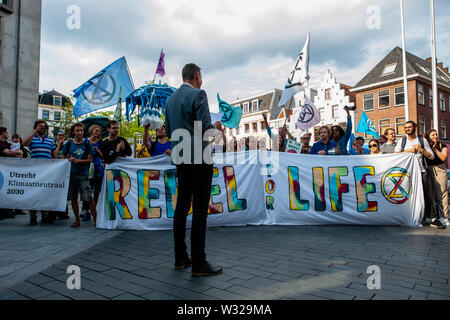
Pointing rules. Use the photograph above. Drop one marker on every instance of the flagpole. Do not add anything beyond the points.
(434, 71)
(405, 73)
(154, 78)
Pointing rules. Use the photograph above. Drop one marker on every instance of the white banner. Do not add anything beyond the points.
(34, 184)
(297, 189)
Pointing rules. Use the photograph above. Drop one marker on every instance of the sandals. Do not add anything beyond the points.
(75, 225)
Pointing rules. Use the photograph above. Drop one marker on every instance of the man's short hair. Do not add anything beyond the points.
(38, 122)
(78, 124)
(359, 138)
(386, 132)
(111, 122)
(189, 71)
(3, 129)
(413, 123)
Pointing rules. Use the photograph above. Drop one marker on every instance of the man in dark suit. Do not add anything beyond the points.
(187, 117)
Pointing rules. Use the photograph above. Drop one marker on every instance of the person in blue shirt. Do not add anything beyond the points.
(357, 147)
(340, 137)
(324, 146)
(161, 145)
(79, 152)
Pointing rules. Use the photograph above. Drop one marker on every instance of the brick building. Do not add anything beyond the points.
(380, 94)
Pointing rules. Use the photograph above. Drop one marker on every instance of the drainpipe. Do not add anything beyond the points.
(16, 98)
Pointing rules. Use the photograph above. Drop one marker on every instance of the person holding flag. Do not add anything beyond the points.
(340, 137)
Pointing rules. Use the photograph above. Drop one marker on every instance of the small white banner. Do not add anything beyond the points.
(34, 184)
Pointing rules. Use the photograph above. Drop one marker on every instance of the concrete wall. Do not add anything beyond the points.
(28, 64)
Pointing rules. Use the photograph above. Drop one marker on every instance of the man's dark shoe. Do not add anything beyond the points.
(206, 270)
(181, 264)
(33, 221)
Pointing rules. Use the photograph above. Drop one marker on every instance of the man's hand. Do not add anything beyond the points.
(218, 126)
(168, 152)
(323, 152)
(73, 160)
(120, 146)
(418, 148)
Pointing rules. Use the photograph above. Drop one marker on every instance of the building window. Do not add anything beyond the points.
(6, 5)
(335, 110)
(383, 99)
(399, 96)
(420, 94)
(45, 114)
(400, 126)
(255, 126)
(246, 107)
(327, 94)
(255, 105)
(57, 116)
(389, 69)
(443, 133)
(322, 113)
(247, 128)
(368, 102)
(442, 101)
(57, 101)
(430, 92)
(263, 125)
(383, 124)
(316, 134)
(422, 128)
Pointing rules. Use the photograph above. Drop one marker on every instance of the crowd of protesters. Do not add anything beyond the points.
(88, 157)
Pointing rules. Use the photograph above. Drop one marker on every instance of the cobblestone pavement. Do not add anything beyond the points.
(260, 262)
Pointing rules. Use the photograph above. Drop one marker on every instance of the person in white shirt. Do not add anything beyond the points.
(420, 147)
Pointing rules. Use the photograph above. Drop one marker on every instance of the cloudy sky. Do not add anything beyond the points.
(243, 47)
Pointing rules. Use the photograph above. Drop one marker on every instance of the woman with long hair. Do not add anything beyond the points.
(437, 180)
(374, 146)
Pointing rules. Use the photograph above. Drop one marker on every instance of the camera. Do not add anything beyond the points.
(351, 108)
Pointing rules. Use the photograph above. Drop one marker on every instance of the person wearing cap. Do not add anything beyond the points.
(59, 141)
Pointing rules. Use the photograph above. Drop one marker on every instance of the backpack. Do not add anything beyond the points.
(422, 144)
(86, 148)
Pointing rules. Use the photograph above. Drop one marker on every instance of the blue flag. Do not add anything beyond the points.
(231, 115)
(102, 90)
(366, 126)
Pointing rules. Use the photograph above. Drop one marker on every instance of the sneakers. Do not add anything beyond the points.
(83, 214)
(444, 222)
(426, 222)
(87, 216)
(436, 223)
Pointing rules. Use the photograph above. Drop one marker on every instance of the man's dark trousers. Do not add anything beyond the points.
(194, 183)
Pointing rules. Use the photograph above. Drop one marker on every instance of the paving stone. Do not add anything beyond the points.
(39, 279)
(128, 296)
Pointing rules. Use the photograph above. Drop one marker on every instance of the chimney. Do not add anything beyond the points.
(440, 65)
(428, 59)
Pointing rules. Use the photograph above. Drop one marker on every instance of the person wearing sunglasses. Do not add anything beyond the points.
(306, 147)
(374, 146)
